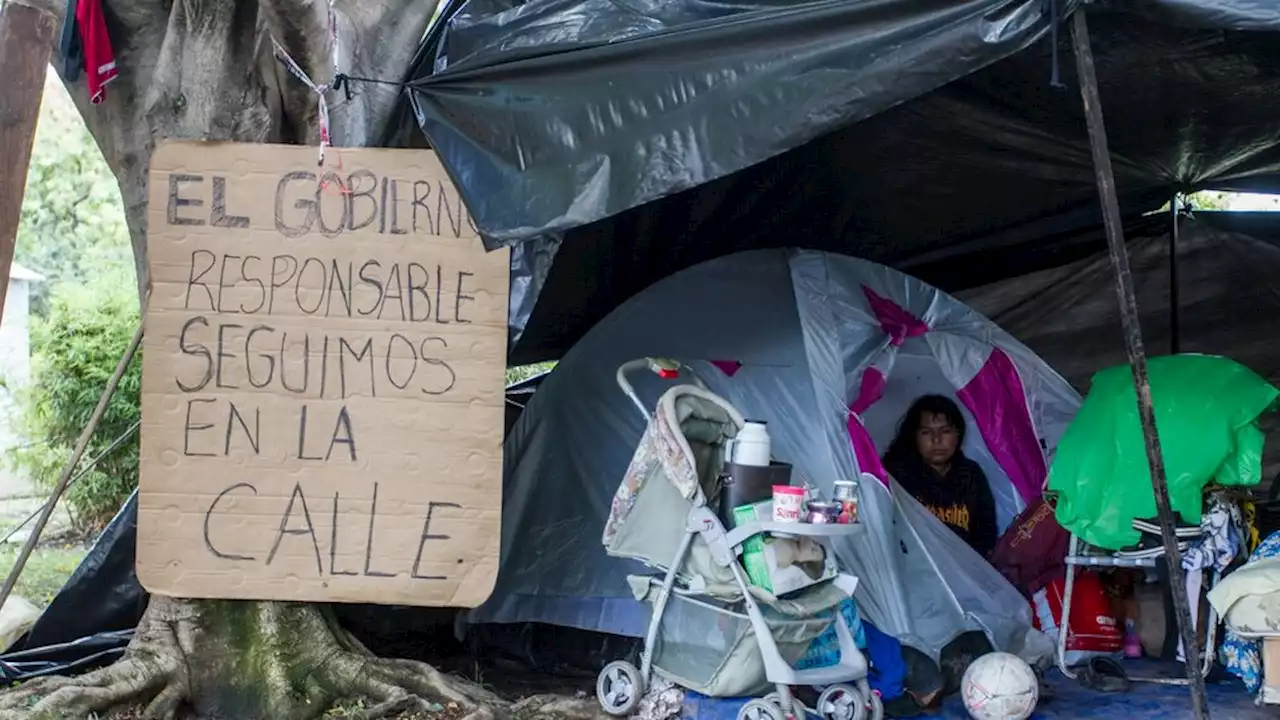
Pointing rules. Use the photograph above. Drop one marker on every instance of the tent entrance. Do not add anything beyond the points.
(916, 372)
(979, 377)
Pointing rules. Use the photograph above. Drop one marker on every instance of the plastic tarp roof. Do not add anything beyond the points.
(639, 137)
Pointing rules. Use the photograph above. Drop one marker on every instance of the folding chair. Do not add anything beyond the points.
(1081, 554)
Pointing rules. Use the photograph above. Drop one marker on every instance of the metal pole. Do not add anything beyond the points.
(1175, 342)
(1137, 355)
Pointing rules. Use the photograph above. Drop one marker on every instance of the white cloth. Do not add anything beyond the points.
(1260, 577)
(1195, 580)
(1221, 535)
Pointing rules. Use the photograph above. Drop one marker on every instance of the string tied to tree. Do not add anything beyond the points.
(320, 89)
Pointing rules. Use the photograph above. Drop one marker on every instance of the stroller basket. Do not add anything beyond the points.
(711, 647)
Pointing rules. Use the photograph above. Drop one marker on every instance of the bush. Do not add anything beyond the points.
(75, 349)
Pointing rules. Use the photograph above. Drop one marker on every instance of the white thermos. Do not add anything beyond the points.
(752, 445)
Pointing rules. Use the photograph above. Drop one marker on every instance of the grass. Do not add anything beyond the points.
(45, 572)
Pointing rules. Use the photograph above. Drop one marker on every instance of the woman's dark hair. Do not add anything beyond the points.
(904, 443)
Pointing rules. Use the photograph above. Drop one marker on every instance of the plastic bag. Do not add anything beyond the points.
(1206, 408)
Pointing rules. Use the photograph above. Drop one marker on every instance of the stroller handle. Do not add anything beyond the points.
(664, 368)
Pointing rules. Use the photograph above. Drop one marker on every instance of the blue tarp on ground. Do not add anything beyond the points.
(1069, 700)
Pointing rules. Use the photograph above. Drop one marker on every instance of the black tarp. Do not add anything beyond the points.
(627, 140)
(92, 617)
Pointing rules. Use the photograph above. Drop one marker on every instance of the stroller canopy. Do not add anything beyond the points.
(830, 350)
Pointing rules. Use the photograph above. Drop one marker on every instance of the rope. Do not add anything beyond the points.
(320, 89)
(340, 82)
(322, 104)
(84, 471)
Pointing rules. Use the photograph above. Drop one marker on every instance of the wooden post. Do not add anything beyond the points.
(1175, 325)
(1106, 180)
(26, 40)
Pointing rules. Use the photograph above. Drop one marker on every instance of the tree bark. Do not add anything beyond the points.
(204, 69)
(26, 38)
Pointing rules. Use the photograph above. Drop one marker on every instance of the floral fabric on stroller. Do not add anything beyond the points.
(711, 631)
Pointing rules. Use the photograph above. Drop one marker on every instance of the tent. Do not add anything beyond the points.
(830, 350)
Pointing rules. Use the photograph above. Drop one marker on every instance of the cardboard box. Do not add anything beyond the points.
(781, 565)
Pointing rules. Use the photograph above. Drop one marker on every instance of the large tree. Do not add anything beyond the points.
(204, 69)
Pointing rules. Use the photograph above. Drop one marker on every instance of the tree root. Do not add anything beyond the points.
(292, 662)
(131, 680)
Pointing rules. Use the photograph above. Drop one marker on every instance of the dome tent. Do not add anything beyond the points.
(829, 350)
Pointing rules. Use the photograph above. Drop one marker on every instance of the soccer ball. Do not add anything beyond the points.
(1000, 686)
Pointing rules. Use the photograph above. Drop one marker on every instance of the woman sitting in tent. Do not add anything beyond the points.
(926, 460)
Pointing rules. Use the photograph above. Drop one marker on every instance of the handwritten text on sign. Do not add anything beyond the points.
(322, 380)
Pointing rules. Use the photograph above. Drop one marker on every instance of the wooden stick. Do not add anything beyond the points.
(81, 444)
(1175, 341)
(1137, 354)
(26, 39)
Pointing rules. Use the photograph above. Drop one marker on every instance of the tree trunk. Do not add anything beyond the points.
(26, 34)
(203, 69)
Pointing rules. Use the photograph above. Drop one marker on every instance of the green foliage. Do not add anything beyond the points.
(524, 372)
(1210, 200)
(73, 231)
(72, 224)
(75, 349)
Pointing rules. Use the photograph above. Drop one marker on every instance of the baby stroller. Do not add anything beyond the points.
(710, 630)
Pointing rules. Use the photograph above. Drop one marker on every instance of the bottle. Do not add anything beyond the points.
(1132, 643)
(752, 445)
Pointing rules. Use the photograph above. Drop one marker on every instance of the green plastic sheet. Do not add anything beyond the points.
(1207, 409)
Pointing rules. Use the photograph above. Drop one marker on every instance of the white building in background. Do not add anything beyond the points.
(15, 366)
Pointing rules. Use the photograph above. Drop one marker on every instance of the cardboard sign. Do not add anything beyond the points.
(322, 399)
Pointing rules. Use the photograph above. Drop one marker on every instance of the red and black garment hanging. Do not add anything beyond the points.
(85, 45)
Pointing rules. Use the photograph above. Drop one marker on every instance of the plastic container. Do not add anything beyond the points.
(752, 446)
(846, 493)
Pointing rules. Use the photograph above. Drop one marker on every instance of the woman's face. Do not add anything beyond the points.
(936, 439)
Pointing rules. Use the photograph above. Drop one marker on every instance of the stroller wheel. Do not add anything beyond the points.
(774, 698)
(842, 702)
(761, 709)
(876, 706)
(619, 688)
